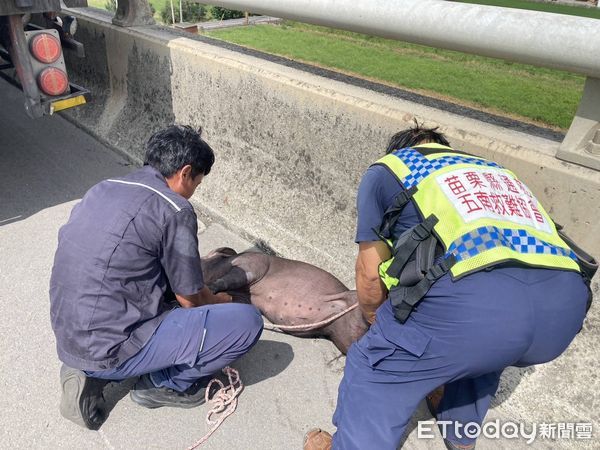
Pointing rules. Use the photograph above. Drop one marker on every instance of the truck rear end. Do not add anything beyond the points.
(32, 38)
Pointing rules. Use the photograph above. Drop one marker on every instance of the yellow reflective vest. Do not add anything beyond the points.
(486, 215)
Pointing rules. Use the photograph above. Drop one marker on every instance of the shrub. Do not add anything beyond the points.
(219, 13)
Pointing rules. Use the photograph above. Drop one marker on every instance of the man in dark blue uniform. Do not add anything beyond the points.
(127, 256)
(462, 334)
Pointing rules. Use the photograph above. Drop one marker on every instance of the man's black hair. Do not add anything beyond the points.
(176, 146)
(415, 136)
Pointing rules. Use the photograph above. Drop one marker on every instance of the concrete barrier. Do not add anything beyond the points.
(291, 148)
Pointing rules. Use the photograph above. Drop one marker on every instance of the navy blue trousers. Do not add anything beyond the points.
(462, 335)
(192, 343)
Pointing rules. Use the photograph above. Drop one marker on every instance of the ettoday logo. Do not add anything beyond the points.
(506, 430)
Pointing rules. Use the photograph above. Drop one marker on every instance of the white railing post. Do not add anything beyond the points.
(582, 142)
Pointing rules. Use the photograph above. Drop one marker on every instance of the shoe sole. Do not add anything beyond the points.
(308, 435)
(313, 441)
(75, 385)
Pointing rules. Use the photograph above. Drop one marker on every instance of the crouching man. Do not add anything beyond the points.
(129, 248)
(461, 273)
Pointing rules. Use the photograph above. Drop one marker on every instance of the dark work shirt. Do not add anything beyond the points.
(123, 247)
(377, 190)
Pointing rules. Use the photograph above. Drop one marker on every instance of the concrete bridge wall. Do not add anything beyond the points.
(291, 148)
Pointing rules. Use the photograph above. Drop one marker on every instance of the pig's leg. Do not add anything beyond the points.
(227, 251)
(234, 280)
(348, 328)
(245, 269)
(216, 263)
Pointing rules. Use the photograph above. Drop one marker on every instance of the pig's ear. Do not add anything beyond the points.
(226, 251)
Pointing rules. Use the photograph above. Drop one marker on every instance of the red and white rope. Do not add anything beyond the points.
(224, 402)
(226, 398)
(309, 326)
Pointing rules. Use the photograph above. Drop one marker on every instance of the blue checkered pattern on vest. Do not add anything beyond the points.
(485, 238)
(420, 167)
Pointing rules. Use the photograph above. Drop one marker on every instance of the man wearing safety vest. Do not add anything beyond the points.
(461, 273)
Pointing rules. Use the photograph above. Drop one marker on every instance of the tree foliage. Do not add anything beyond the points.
(192, 11)
(219, 13)
(196, 12)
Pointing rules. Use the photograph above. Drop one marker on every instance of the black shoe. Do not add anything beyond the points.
(82, 401)
(146, 394)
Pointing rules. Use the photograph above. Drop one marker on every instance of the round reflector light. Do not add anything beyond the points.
(53, 81)
(45, 48)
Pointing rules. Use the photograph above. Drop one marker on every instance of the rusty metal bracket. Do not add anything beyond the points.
(19, 56)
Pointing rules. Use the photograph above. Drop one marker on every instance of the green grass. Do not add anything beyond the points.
(539, 6)
(96, 3)
(540, 95)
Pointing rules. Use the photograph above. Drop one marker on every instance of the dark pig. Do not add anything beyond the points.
(287, 292)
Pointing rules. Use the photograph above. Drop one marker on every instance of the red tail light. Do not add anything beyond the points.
(53, 81)
(45, 48)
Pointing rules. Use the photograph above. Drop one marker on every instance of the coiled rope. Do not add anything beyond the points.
(224, 402)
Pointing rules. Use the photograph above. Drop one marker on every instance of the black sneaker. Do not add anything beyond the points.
(146, 394)
(82, 401)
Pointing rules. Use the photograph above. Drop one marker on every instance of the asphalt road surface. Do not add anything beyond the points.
(46, 165)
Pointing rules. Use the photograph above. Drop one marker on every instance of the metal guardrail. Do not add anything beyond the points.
(557, 41)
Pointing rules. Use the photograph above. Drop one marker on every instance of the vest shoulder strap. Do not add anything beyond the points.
(392, 214)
